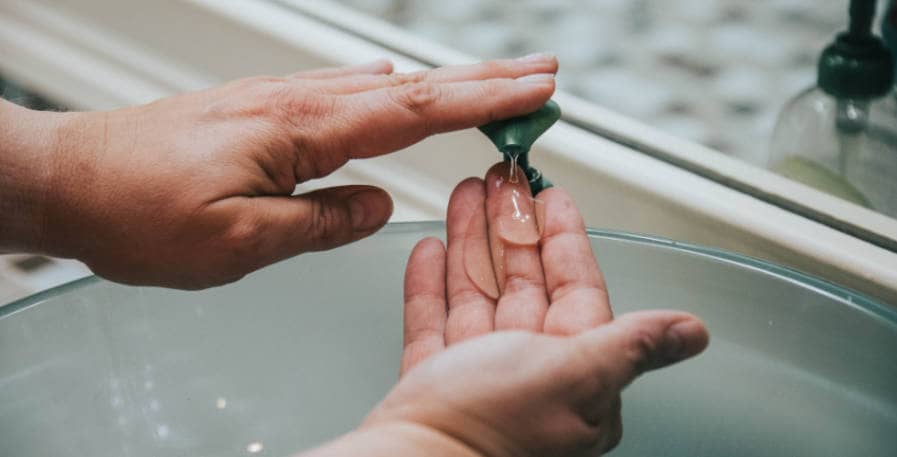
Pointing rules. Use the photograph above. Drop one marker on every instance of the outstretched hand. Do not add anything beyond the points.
(196, 190)
(536, 365)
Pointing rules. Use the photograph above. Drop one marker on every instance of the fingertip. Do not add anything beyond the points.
(470, 191)
(686, 338)
(555, 193)
(370, 209)
(680, 334)
(501, 172)
(380, 66)
(471, 184)
(541, 85)
(425, 263)
(565, 216)
(428, 245)
(642, 341)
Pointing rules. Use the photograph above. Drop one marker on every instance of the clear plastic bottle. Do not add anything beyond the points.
(845, 147)
(840, 136)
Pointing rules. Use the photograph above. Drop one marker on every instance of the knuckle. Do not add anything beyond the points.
(493, 67)
(417, 97)
(288, 104)
(243, 242)
(517, 281)
(399, 79)
(640, 349)
(328, 224)
(244, 230)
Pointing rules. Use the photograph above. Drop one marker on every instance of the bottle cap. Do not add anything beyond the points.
(517, 134)
(857, 64)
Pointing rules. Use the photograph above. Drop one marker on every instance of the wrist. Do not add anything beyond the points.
(25, 169)
(33, 148)
(395, 439)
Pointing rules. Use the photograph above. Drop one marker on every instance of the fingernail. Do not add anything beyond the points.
(369, 209)
(674, 339)
(537, 57)
(538, 78)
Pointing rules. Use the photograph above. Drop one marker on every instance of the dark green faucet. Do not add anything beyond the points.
(515, 136)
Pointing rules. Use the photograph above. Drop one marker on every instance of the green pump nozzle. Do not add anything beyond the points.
(857, 65)
(515, 136)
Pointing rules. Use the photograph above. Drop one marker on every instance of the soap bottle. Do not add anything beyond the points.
(840, 136)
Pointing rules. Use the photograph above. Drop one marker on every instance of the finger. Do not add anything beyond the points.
(469, 276)
(574, 283)
(513, 238)
(379, 66)
(504, 68)
(634, 343)
(425, 306)
(385, 120)
(273, 228)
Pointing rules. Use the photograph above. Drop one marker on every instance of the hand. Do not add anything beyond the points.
(195, 190)
(551, 389)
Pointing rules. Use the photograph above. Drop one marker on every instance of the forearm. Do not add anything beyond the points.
(29, 145)
(394, 439)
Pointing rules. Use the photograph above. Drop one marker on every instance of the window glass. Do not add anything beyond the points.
(716, 72)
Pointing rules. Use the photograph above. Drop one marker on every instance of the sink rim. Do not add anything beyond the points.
(846, 296)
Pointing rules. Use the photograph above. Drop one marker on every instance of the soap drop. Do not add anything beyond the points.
(515, 216)
(512, 216)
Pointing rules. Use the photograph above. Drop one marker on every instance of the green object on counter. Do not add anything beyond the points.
(819, 177)
(515, 136)
(857, 64)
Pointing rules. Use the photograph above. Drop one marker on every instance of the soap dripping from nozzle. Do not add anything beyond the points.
(512, 176)
(514, 137)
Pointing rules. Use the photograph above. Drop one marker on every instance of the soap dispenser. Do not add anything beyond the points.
(515, 136)
(840, 136)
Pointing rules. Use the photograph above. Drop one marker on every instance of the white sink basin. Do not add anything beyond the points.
(299, 352)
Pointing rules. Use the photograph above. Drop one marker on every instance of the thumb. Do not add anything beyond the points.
(638, 342)
(325, 218)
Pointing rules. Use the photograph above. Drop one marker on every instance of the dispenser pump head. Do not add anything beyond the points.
(857, 64)
(515, 136)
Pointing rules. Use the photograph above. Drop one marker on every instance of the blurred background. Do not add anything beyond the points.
(715, 72)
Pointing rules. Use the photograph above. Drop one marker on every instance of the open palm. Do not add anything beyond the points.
(510, 346)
